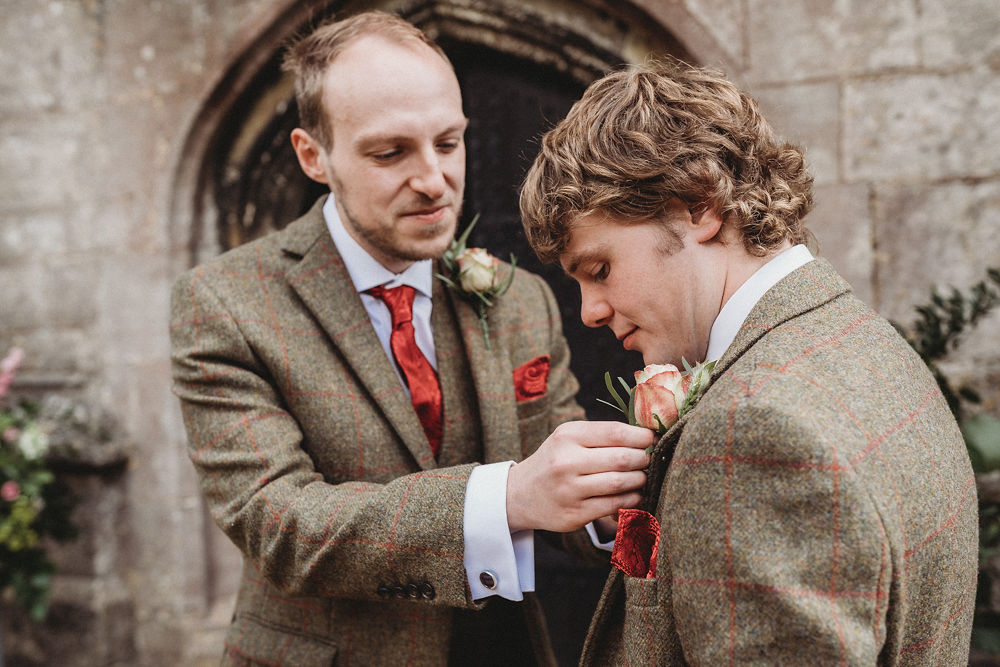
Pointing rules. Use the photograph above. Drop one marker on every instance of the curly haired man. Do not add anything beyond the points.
(817, 505)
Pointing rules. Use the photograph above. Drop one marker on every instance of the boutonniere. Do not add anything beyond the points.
(662, 394)
(475, 275)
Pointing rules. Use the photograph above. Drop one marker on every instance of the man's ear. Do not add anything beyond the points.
(310, 155)
(705, 225)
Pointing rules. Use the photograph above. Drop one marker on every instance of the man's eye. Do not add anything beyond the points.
(384, 156)
(447, 146)
(601, 273)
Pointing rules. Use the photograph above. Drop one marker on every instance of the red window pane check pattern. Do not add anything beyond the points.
(873, 454)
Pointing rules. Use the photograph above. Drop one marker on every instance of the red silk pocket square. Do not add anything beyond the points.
(531, 379)
(637, 541)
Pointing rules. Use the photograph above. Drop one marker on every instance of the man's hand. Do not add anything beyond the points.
(583, 471)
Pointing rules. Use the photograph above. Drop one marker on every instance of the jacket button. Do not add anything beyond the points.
(399, 590)
(383, 591)
(488, 579)
(427, 591)
(413, 590)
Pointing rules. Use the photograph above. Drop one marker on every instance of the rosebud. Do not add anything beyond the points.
(659, 393)
(10, 491)
(11, 434)
(477, 270)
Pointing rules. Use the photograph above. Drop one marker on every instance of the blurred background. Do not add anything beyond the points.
(140, 137)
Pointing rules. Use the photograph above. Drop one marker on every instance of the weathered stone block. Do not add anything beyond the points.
(25, 236)
(726, 20)
(43, 73)
(922, 127)
(67, 283)
(134, 302)
(46, 161)
(842, 223)
(795, 40)
(807, 115)
(959, 33)
(941, 235)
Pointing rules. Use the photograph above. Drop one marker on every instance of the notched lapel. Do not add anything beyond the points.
(322, 282)
(492, 375)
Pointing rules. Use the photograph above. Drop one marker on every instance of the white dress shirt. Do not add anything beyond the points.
(489, 545)
(734, 312)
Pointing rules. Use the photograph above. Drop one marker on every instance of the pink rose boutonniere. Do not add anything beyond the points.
(475, 275)
(662, 394)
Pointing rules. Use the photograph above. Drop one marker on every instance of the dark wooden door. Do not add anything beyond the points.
(510, 104)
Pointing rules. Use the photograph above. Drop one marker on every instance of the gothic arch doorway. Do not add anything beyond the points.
(521, 65)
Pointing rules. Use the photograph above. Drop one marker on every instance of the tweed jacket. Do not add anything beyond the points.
(817, 506)
(314, 463)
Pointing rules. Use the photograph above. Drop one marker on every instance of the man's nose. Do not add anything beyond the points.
(429, 178)
(595, 311)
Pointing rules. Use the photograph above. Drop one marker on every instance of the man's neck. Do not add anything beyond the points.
(742, 265)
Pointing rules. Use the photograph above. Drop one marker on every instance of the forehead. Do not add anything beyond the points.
(377, 84)
(599, 237)
(588, 237)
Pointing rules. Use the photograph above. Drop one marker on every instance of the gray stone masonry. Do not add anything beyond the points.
(896, 102)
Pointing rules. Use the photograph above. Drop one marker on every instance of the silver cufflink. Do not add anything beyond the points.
(488, 579)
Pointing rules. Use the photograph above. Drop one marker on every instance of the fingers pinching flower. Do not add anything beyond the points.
(662, 394)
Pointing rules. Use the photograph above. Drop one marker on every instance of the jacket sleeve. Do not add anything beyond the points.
(776, 549)
(307, 536)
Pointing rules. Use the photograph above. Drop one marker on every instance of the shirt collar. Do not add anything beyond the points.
(736, 310)
(366, 271)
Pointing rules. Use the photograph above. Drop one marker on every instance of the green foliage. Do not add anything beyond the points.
(32, 508)
(982, 438)
(940, 326)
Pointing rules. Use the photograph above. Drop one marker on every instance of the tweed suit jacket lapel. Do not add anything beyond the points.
(492, 375)
(322, 282)
(806, 288)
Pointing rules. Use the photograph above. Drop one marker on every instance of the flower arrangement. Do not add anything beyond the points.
(662, 394)
(475, 275)
(32, 506)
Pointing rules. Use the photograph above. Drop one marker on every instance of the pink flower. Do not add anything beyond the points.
(660, 391)
(11, 434)
(10, 491)
(8, 369)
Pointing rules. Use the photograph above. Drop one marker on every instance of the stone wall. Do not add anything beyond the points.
(897, 103)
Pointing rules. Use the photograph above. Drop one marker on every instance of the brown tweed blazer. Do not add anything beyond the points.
(313, 461)
(816, 507)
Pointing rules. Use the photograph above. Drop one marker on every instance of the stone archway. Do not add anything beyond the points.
(521, 65)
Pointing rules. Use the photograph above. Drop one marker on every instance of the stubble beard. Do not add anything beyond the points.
(383, 238)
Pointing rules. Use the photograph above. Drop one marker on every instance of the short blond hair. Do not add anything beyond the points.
(642, 138)
(308, 58)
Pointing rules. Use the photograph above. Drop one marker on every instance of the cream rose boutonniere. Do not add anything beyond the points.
(662, 394)
(475, 275)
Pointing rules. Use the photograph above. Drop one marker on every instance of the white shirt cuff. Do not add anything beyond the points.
(604, 546)
(496, 562)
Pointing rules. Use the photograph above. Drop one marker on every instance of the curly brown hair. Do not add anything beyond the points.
(642, 138)
(308, 57)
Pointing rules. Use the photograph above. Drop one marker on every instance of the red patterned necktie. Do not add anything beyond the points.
(422, 379)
